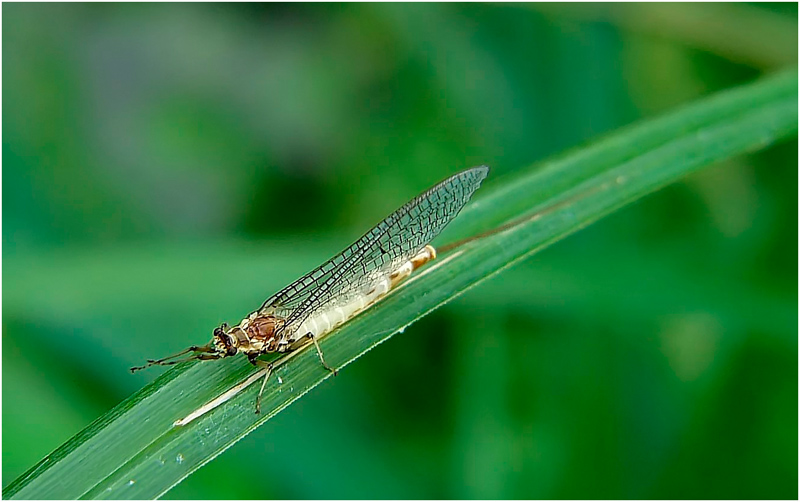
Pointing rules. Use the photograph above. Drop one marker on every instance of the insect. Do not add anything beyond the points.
(344, 286)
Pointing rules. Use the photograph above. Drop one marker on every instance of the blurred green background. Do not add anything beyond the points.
(168, 167)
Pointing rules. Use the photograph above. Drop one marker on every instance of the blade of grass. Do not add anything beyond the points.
(135, 452)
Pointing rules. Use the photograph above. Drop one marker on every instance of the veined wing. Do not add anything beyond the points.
(381, 250)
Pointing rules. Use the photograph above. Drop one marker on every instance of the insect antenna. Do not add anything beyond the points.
(199, 352)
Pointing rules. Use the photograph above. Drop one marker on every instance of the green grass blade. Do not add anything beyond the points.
(135, 452)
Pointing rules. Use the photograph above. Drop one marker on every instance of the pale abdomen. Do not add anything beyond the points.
(325, 321)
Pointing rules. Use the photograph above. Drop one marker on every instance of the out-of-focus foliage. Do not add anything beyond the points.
(652, 355)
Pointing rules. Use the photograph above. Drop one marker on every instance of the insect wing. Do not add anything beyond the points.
(389, 244)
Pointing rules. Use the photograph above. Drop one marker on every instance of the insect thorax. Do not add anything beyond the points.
(257, 334)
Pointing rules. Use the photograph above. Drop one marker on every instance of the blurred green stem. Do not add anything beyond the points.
(742, 33)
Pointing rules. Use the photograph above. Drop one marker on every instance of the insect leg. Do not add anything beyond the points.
(268, 366)
(198, 352)
(319, 352)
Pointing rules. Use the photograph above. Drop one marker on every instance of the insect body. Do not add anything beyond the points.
(345, 285)
(263, 332)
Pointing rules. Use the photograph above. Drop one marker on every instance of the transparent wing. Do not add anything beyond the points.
(385, 247)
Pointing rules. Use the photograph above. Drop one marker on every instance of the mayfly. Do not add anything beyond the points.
(342, 287)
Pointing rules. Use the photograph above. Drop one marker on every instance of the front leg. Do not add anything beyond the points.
(255, 361)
